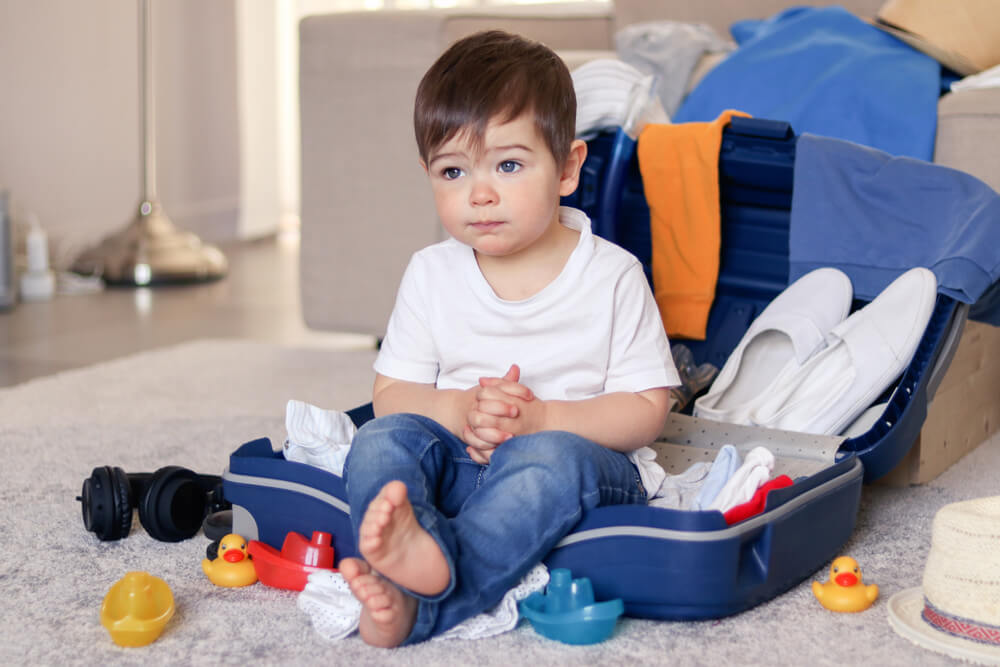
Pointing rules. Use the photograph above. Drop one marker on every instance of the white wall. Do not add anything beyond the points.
(69, 115)
(226, 114)
(267, 91)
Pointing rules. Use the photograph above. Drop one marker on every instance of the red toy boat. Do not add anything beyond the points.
(290, 567)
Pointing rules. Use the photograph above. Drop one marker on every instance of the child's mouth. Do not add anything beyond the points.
(486, 225)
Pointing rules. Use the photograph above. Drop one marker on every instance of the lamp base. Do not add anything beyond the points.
(152, 251)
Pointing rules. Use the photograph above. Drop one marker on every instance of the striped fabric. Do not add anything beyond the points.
(961, 627)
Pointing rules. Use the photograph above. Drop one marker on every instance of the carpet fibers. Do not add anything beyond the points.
(193, 404)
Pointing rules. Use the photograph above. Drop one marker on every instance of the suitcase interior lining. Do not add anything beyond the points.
(687, 440)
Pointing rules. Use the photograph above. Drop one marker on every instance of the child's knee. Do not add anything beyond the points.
(393, 439)
(378, 435)
(387, 423)
(386, 430)
(554, 449)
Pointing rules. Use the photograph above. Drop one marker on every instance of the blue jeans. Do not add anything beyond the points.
(494, 522)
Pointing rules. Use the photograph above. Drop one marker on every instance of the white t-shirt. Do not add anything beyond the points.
(595, 329)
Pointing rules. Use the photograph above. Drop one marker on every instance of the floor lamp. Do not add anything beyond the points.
(151, 250)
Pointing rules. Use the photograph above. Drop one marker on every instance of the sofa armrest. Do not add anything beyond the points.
(967, 131)
(366, 206)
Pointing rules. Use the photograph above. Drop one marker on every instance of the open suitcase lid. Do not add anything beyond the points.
(756, 173)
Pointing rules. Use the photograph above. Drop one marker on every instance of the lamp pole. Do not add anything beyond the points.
(151, 250)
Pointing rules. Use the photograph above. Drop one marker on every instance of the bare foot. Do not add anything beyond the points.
(387, 613)
(397, 546)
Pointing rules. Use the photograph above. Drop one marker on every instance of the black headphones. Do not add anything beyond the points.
(172, 502)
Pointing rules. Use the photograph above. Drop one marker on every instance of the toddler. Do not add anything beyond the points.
(524, 365)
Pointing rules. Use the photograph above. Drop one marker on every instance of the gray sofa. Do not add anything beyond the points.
(365, 203)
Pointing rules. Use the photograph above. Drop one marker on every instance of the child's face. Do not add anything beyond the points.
(505, 197)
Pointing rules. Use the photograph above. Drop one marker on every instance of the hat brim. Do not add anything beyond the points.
(949, 59)
(905, 609)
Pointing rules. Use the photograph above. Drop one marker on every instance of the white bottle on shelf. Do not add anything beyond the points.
(38, 283)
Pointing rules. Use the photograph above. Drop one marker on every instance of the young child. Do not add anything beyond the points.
(524, 364)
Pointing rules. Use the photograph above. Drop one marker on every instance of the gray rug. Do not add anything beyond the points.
(193, 404)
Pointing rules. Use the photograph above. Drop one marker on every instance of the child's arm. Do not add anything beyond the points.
(622, 421)
(448, 407)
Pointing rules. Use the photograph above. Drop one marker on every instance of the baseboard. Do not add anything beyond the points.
(216, 220)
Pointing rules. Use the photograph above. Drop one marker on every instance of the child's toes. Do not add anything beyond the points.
(379, 602)
(383, 516)
(351, 568)
(370, 542)
(395, 493)
(386, 614)
(365, 586)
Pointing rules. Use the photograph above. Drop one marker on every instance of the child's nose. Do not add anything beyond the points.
(483, 194)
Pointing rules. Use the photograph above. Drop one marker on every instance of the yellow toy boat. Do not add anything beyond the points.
(136, 608)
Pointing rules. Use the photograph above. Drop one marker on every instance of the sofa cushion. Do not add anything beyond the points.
(558, 26)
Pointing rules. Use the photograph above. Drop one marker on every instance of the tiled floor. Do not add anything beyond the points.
(258, 300)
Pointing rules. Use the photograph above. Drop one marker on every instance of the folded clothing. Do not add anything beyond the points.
(735, 487)
(726, 463)
(758, 503)
(741, 487)
(680, 178)
(826, 71)
(679, 491)
(875, 216)
(318, 437)
(612, 94)
(670, 50)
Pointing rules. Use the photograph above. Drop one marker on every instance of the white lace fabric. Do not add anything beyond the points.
(335, 612)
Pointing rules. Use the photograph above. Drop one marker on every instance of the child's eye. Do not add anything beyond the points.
(451, 173)
(509, 166)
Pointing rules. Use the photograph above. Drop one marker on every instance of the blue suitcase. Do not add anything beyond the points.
(663, 563)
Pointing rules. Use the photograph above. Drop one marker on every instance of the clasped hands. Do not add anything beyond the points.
(500, 409)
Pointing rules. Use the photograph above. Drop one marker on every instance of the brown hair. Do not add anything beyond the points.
(495, 74)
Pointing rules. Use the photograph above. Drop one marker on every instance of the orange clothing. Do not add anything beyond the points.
(680, 175)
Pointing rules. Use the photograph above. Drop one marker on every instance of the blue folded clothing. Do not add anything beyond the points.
(826, 71)
(874, 216)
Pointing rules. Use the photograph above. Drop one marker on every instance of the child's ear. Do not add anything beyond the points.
(571, 167)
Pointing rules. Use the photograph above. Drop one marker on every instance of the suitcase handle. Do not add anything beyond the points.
(760, 127)
(622, 150)
(755, 554)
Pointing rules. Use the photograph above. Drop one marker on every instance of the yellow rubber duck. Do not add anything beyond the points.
(232, 567)
(845, 590)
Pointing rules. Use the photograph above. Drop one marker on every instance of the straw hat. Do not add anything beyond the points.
(964, 35)
(957, 611)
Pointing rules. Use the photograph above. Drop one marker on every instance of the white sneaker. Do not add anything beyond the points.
(864, 356)
(791, 329)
